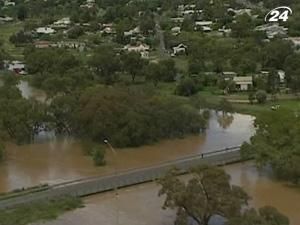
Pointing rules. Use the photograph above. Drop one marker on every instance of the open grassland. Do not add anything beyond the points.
(6, 30)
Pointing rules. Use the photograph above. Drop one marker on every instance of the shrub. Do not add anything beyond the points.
(98, 156)
(261, 96)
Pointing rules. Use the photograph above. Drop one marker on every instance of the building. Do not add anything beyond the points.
(62, 23)
(45, 30)
(17, 67)
(243, 83)
(42, 44)
(229, 75)
(9, 3)
(203, 26)
(6, 19)
(143, 49)
(273, 30)
(176, 30)
(294, 40)
(179, 49)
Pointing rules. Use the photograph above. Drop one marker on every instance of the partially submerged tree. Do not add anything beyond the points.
(206, 194)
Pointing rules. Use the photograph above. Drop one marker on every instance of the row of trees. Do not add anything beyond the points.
(208, 194)
(57, 70)
(19, 118)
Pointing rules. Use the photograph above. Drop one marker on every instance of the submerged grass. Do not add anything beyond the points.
(40, 211)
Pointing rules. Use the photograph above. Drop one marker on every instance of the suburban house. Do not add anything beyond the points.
(179, 49)
(224, 30)
(6, 19)
(89, 4)
(43, 44)
(62, 23)
(294, 40)
(176, 30)
(273, 30)
(45, 30)
(177, 19)
(203, 25)
(72, 45)
(243, 83)
(281, 75)
(132, 32)
(17, 67)
(229, 75)
(8, 3)
(143, 49)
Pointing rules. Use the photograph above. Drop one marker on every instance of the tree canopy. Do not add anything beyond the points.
(277, 144)
(206, 194)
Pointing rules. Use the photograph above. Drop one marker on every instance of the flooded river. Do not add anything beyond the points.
(52, 160)
(140, 205)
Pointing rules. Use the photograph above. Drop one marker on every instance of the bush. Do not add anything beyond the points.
(187, 87)
(261, 96)
(98, 156)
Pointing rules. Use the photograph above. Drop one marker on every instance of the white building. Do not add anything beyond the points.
(62, 23)
(176, 30)
(45, 30)
(273, 30)
(179, 49)
(243, 83)
(143, 49)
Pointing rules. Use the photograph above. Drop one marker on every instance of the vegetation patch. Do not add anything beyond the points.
(41, 211)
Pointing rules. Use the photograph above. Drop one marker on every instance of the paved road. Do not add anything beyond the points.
(93, 185)
(160, 35)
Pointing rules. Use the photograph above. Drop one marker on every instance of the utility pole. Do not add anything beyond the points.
(116, 173)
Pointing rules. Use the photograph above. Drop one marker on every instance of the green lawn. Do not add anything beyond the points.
(255, 109)
(6, 30)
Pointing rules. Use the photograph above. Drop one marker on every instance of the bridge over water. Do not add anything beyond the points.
(93, 185)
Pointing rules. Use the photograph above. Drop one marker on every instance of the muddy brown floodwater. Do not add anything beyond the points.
(52, 160)
(140, 205)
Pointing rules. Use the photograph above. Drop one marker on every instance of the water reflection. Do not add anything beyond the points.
(225, 120)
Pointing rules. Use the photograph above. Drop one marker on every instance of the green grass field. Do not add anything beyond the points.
(6, 30)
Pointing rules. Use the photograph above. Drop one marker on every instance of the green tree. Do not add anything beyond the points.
(243, 27)
(22, 12)
(206, 194)
(276, 143)
(292, 70)
(225, 106)
(261, 96)
(251, 97)
(105, 64)
(186, 87)
(133, 64)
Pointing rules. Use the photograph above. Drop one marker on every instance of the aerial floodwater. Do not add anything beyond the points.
(140, 205)
(52, 159)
